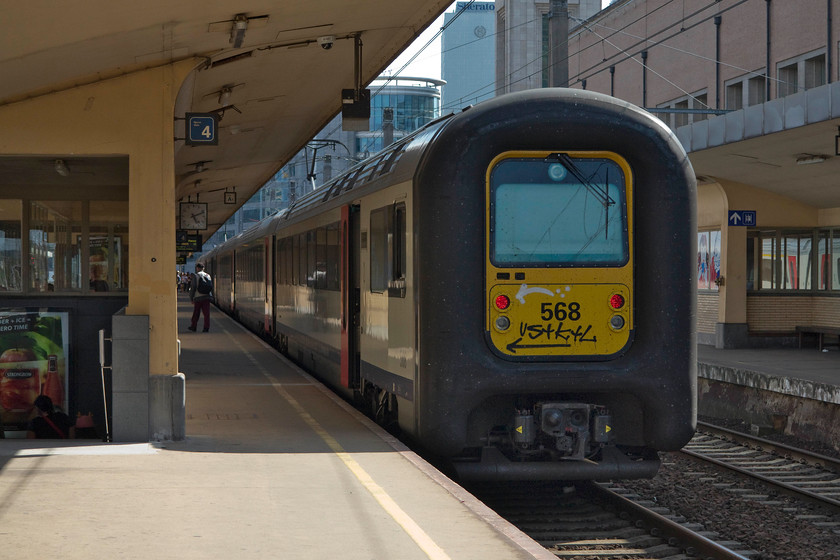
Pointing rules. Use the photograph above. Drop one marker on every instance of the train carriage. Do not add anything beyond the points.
(511, 286)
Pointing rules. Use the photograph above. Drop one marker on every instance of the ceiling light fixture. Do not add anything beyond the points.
(61, 168)
(810, 158)
(199, 166)
(224, 96)
(237, 32)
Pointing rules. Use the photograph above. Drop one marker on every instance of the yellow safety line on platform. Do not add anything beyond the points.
(412, 529)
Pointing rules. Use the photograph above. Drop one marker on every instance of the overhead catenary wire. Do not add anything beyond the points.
(626, 52)
(622, 54)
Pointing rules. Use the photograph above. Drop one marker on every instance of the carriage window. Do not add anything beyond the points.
(388, 250)
(321, 258)
(333, 257)
(302, 260)
(311, 252)
(280, 260)
(558, 211)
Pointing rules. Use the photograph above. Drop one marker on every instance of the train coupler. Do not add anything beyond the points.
(568, 431)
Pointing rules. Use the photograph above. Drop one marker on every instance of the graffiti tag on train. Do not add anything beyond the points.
(549, 336)
(524, 290)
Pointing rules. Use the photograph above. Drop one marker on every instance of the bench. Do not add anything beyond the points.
(820, 331)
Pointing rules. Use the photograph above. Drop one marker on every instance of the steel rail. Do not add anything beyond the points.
(754, 443)
(693, 543)
(802, 455)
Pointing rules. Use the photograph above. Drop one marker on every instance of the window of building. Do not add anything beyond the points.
(685, 110)
(745, 91)
(71, 246)
(788, 80)
(793, 260)
(108, 246)
(801, 73)
(55, 229)
(757, 90)
(11, 255)
(735, 95)
(546, 48)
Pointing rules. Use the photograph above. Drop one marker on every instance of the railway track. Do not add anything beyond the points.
(796, 472)
(598, 521)
(605, 521)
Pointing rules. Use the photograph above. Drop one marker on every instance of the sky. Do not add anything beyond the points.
(427, 63)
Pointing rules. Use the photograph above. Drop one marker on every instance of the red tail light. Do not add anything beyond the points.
(502, 302)
(617, 301)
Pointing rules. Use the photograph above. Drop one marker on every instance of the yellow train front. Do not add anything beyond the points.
(512, 287)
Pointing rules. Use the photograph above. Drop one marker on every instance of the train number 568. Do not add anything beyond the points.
(560, 311)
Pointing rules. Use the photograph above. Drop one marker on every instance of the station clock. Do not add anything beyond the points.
(193, 215)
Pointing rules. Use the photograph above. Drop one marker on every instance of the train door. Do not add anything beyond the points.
(350, 295)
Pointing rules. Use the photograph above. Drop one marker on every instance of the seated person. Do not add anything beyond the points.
(50, 424)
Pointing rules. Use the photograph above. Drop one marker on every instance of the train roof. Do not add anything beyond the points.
(396, 162)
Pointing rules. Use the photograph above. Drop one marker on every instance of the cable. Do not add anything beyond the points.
(700, 56)
(646, 43)
(642, 42)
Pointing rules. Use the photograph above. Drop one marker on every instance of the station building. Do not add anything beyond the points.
(467, 59)
(522, 39)
(749, 88)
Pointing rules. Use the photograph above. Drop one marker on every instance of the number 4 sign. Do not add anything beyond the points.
(202, 129)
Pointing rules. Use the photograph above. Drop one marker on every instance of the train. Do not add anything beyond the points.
(511, 287)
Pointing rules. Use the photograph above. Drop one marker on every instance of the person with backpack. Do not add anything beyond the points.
(50, 423)
(201, 294)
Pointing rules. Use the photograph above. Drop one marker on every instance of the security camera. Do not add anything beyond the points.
(326, 41)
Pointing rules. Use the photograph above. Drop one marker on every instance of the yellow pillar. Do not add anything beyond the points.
(130, 115)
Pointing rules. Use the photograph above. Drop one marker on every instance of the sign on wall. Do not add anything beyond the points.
(33, 361)
(742, 218)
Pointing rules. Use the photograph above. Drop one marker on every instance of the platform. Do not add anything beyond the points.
(805, 372)
(790, 391)
(273, 466)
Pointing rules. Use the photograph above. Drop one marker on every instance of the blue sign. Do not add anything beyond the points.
(202, 129)
(742, 218)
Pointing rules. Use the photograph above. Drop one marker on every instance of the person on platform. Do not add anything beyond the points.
(201, 294)
(50, 424)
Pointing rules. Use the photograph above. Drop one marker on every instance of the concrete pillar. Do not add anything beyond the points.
(129, 115)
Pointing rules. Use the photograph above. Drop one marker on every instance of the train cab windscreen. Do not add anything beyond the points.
(558, 211)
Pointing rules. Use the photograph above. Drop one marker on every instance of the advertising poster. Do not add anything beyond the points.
(33, 361)
(703, 260)
(714, 256)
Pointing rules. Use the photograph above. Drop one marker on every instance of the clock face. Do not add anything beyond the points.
(193, 215)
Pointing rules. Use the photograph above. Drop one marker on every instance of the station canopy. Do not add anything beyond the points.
(261, 65)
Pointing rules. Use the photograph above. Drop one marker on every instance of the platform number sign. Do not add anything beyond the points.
(202, 129)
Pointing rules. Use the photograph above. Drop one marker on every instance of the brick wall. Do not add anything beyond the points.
(707, 311)
(777, 314)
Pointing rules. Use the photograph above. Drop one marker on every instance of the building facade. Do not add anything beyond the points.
(467, 55)
(748, 86)
(523, 41)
